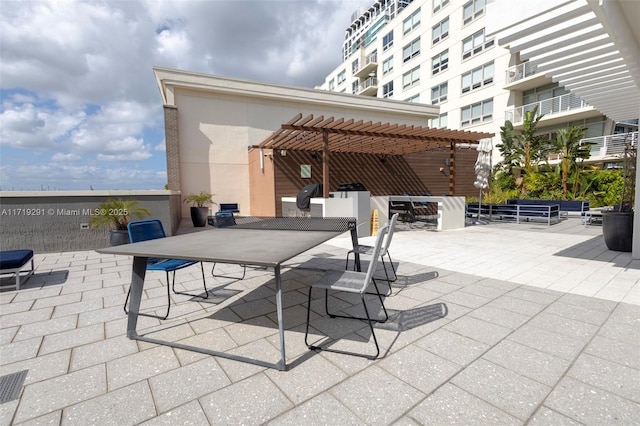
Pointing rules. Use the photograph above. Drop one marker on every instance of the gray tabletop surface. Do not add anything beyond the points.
(243, 246)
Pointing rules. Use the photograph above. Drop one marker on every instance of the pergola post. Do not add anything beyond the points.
(325, 163)
(452, 169)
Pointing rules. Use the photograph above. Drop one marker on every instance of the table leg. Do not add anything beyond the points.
(137, 283)
(282, 365)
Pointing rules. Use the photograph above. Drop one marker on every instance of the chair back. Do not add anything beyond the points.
(375, 256)
(392, 227)
(143, 230)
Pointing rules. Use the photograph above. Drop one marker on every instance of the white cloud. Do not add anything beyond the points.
(77, 80)
(50, 176)
(65, 157)
(29, 126)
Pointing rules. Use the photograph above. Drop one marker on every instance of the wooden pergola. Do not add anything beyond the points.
(328, 135)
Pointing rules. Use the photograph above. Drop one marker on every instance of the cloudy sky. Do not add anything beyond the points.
(80, 108)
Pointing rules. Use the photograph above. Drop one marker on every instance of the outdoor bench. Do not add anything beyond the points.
(566, 206)
(548, 213)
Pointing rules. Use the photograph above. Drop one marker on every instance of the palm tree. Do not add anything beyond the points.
(567, 145)
(117, 213)
(532, 147)
(523, 150)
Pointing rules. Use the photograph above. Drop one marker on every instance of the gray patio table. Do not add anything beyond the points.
(259, 242)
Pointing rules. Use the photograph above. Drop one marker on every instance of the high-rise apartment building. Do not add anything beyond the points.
(439, 52)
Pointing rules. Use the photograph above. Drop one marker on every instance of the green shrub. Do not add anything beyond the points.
(605, 188)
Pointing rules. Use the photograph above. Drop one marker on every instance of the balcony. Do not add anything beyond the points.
(558, 110)
(607, 148)
(523, 77)
(368, 65)
(369, 87)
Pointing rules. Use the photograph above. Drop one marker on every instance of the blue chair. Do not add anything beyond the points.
(151, 229)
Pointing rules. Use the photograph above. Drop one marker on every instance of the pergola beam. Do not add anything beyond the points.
(350, 136)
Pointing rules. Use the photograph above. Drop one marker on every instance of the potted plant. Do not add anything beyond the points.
(617, 223)
(199, 211)
(116, 215)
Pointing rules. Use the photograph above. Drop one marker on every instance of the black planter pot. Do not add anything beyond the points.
(617, 230)
(118, 238)
(199, 216)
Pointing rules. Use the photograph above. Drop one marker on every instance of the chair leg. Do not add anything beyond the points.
(384, 309)
(320, 348)
(206, 292)
(166, 315)
(395, 275)
(244, 272)
(373, 333)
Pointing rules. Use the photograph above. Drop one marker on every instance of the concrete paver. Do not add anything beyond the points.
(491, 324)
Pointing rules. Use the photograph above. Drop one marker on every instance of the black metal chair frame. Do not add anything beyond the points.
(366, 277)
(155, 262)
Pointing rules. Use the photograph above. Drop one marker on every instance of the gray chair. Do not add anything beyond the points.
(368, 250)
(351, 282)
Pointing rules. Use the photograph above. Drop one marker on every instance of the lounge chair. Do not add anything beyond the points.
(151, 229)
(14, 263)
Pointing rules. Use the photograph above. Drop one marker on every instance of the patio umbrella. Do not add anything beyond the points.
(483, 168)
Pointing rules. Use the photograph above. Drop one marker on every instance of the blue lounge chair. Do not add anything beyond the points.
(14, 263)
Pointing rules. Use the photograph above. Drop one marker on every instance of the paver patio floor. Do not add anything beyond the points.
(491, 324)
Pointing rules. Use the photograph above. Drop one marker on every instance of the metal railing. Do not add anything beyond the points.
(611, 145)
(519, 72)
(608, 146)
(370, 82)
(371, 58)
(557, 105)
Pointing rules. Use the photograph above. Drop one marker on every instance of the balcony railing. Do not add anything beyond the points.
(519, 72)
(367, 64)
(369, 86)
(611, 145)
(547, 107)
(608, 146)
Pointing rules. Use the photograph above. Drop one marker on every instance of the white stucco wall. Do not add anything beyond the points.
(219, 118)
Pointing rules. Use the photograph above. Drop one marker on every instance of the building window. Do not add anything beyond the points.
(355, 84)
(387, 40)
(440, 31)
(439, 93)
(477, 113)
(439, 4)
(477, 77)
(440, 122)
(440, 62)
(414, 98)
(387, 90)
(412, 22)
(475, 44)
(342, 76)
(411, 50)
(411, 78)
(472, 10)
(332, 84)
(387, 66)
(355, 65)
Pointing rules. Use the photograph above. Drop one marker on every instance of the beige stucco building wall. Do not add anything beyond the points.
(211, 122)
